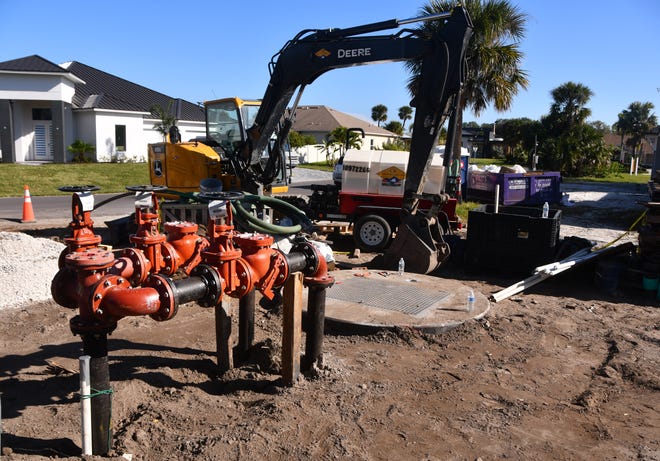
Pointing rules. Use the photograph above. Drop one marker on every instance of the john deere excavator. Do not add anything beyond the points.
(245, 150)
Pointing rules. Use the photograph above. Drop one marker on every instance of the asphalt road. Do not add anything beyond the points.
(108, 206)
(58, 208)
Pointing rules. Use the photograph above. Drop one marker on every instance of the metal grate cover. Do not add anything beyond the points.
(408, 298)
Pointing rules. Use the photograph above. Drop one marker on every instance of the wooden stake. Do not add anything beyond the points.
(292, 328)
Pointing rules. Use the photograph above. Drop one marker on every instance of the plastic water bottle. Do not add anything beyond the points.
(470, 301)
(546, 209)
(402, 266)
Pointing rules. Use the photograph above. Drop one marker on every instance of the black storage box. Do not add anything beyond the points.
(513, 241)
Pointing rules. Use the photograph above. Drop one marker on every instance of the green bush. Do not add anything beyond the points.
(80, 149)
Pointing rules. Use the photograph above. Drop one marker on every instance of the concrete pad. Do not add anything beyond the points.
(371, 299)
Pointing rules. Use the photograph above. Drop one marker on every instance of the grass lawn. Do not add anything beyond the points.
(46, 178)
(114, 177)
(481, 162)
(621, 178)
(321, 166)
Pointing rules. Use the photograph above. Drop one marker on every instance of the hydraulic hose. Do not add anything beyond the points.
(112, 199)
(251, 222)
(300, 219)
(255, 224)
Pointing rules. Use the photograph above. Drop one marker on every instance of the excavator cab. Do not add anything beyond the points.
(226, 122)
(184, 166)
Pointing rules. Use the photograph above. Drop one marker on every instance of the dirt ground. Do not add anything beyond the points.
(568, 370)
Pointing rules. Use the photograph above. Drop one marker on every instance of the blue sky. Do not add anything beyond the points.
(201, 50)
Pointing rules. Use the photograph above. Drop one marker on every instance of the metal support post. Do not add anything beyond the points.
(246, 306)
(315, 325)
(223, 339)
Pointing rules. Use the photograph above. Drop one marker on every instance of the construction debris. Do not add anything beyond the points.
(549, 270)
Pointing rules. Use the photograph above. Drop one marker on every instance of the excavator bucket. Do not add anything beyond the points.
(419, 242)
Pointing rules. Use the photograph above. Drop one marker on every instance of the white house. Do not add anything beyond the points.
(319, 121)
(45, 107)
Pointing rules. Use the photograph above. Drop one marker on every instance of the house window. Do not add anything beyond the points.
(372, 144)
(120, 138)
(41, 114)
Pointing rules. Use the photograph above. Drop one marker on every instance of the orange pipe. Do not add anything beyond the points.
(122, 267)
(122, 302)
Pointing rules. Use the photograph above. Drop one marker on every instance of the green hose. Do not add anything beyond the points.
(251, 222)
(260, 225)
(298, 217)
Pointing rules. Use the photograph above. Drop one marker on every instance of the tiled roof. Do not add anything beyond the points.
(32, 63)
(102, 90)
(325, 119)
(106, 91)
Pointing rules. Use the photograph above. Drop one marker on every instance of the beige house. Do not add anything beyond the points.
(319, 121)
(646, 153)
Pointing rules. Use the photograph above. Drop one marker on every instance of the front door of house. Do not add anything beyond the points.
(42, 143)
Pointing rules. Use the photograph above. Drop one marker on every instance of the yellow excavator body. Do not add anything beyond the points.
(183, 166)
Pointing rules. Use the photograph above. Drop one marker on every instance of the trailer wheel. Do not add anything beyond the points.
(372, 233)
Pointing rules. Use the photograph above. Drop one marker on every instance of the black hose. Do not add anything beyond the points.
(112, 199)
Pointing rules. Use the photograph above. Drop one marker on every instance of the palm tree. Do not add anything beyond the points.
(337, 141)
(493, 56)
(165, 119)
(621, 127)
(379, 113)
(566, 128)
(636, 122)
(405, 113)
(569, 105)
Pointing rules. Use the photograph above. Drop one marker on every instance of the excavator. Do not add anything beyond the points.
(246, 141)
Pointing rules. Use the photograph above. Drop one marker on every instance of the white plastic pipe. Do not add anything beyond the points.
(497, 198)
(86, 406)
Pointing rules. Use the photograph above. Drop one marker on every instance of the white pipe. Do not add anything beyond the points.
(497, 198)
(546, 271)
(86, 406)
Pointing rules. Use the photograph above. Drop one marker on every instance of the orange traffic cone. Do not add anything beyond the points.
(28, 213)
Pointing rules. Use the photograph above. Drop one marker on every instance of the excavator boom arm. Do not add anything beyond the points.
(312, 53)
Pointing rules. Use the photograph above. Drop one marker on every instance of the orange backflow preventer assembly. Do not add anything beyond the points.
(163, 271)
